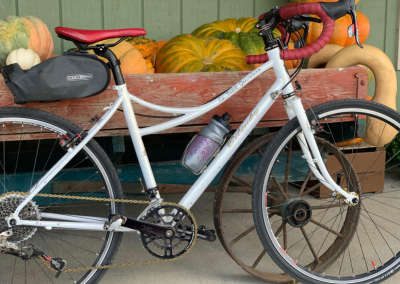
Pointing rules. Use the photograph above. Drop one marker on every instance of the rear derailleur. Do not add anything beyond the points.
(27, 252)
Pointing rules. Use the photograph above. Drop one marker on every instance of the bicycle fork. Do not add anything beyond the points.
(294, 108)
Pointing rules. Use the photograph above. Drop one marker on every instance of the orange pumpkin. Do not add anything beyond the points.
(25, 32)
(132, 62)
(340, 36)
(147, 47)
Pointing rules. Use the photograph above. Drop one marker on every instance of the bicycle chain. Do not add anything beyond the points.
(112, 200)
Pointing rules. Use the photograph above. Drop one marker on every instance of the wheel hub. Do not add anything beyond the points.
(297, 213)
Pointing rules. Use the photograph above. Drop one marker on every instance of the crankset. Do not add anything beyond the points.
(173, 217)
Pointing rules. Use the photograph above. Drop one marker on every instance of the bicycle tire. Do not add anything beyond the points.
(107, 175)
(303, 272)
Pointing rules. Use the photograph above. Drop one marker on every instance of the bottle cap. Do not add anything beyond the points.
(224, 120)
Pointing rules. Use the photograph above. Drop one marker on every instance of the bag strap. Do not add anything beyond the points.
(6, 71)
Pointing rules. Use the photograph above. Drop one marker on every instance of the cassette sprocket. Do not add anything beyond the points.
(8, 205)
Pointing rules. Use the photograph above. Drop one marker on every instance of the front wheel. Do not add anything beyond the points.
(314, 236)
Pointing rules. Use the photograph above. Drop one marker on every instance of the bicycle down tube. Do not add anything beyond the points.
(219, 161)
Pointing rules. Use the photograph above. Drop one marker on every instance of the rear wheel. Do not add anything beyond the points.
(30, 146)
(321, 239)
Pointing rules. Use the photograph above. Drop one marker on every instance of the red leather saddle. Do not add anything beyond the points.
(92, 36)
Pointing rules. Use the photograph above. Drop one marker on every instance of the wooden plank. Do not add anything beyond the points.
(194, 89)
(8, 7)
(162, 18)
(46, 10)
(236, 9)
(197, 13)
(80, 14)
(123, 14)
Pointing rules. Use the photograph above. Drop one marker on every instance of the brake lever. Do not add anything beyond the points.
(353, 28)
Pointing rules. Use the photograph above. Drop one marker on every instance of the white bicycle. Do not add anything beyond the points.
(350, 237)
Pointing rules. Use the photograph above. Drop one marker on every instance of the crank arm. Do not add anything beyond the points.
(145, 227)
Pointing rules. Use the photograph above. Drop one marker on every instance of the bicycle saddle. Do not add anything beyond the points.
(92, 36)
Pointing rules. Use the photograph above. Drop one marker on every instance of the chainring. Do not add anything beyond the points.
(8, 205)
(180, 220)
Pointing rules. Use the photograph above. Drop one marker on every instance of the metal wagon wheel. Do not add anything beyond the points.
(233, 214)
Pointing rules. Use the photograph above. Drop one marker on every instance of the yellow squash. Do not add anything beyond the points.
(185, 54)
(385, 86)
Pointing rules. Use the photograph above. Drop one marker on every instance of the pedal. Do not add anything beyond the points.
(206, 235)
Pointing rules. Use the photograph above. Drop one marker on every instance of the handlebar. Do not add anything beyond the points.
(327, 12)
(289, 11)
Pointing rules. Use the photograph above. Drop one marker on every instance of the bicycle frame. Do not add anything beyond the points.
(293, 107)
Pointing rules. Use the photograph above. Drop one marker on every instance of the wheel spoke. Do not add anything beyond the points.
(242, 181)
(320, 207)
(237, 211)
(278, 185)
(288, 159)
(303, 186)
(310, 245)
(285, 239)
(280, 229)
(259, 258)
(326, 228)
(242, 235)
(319, 184)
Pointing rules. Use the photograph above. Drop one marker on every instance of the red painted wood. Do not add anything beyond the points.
(194, 89)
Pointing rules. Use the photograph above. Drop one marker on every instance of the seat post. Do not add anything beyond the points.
(113, 63)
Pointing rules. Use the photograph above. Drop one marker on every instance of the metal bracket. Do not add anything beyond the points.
(275, 95)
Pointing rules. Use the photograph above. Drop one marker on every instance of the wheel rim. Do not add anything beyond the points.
(250, 264)
(371, 248)
(73, 246)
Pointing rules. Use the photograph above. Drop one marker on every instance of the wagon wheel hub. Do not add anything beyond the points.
(297, 212)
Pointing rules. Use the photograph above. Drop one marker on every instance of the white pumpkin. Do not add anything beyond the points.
(26, 58)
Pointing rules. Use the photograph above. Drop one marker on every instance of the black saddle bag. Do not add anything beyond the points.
(74, 75)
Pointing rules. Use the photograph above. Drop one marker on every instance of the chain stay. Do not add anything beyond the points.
(111, 200)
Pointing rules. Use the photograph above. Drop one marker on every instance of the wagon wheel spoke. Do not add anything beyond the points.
(285, 241)
(237, 211)
(278, 185)
(310, 245)
(313, 188)
(259, 152)
(273, 198)
(321, 207)
(280, 229)
(326, 228)
(303, 186)
(289, 157)
(259, 258)
(242, 235)
(242, 181)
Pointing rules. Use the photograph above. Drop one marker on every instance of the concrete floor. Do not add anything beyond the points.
(206, 263)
